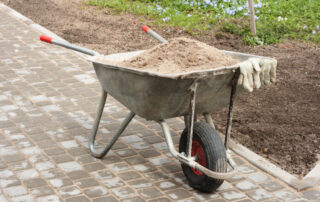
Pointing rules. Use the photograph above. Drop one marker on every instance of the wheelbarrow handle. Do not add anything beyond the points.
(67, 45)
(153, 34)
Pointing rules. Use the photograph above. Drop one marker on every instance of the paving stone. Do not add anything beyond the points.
(79, 174)
(102, 174)
(246, 185)
(70, 166)
(37, 158)
(238, 161)
(93, 167)
(62, 182)
(149, 193)
(85, 159)
(36, 182)
(232, 195)
(205, 196)
(15, 191)
(285, 195)
(123, 192)
(78, 151)
(161, 146)
(225, 186)
(46, 165)
(135, 199)
(272, 186)
(25, 198)
(46, 143)
(96, 192)
(258, 177)
(160, 161)
(126, 153)
(17, 166)
(69, 144)
(153, 139)
(112, 183)
(5, 174)
(166, 185)
(259, 195)
(3, 199)
(171, 168)
(149, 153)
(300, 200)
(54, 151)
(130, 175)
(119, 167)
(110, 159)
(55, 173)
(156, 176)
(246, 169)
(140, 183)
(88, 182)
(62, 158)
(134, 160)
(41, 191)
(69, 191)
(162, 199)
(8, 182)
(178, 194)
(13, 158)
(311, 195)
(217, 200)
(144, 168)
(78, 199)
(131, 139)
(3, 165)
(105, 199)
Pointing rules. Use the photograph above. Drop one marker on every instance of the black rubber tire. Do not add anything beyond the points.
(215, 155)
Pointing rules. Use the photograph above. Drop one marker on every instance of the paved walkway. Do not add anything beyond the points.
(48, 99)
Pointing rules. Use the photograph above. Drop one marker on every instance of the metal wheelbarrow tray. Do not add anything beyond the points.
(157, 97)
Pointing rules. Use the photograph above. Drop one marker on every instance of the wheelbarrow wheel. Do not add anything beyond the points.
(209, 151)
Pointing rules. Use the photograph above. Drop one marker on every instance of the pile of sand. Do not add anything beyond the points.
(179, 55)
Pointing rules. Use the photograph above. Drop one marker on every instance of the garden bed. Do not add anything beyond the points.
(279, 122)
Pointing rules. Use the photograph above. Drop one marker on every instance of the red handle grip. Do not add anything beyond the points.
(145, 28)
(45, 38)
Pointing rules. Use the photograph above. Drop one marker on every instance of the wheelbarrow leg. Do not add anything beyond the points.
(209, 120)
(191, 118)
(230, 112)
(124, 124)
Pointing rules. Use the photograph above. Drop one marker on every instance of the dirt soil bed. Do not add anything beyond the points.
(280, 122)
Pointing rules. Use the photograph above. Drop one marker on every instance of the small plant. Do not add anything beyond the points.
(275, 19)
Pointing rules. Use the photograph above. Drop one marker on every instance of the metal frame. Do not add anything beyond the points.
(124, 124)
(189, 121)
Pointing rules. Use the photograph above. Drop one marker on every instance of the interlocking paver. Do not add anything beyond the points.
(259, 195)
(48, 100)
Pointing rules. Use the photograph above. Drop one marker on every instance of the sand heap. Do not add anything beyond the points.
(179, 55)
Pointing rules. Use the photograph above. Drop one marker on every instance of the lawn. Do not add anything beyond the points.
(276, 19)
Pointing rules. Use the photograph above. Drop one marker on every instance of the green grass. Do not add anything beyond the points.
(276, 19)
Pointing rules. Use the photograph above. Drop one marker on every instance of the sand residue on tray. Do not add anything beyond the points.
(179, 55)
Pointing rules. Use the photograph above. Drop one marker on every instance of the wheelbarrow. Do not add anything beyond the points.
(204, 157)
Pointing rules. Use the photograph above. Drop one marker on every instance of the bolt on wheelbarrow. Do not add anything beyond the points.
(153, 96)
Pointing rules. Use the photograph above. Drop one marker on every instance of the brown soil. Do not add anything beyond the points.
(179, 55)
(280, 122)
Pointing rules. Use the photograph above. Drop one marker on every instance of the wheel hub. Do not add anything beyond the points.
(198, 153)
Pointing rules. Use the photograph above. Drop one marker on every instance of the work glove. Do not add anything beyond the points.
(255, 70)
(268, 71)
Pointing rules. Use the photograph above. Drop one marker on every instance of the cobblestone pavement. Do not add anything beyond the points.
(48, 100)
